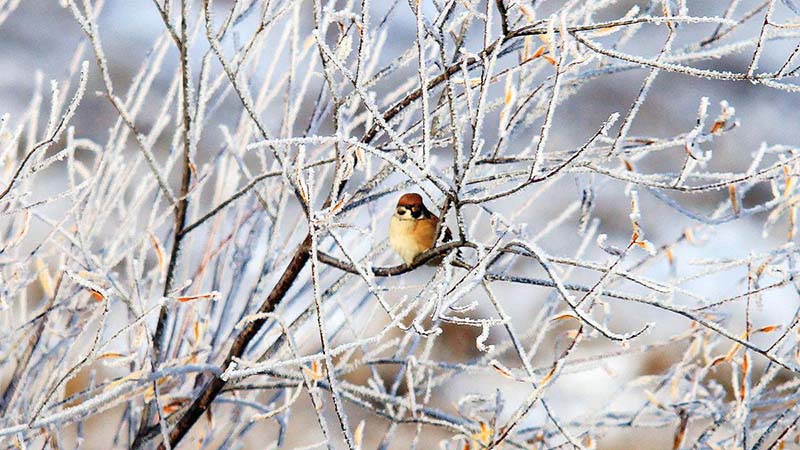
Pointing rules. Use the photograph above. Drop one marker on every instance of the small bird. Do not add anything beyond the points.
(413, 228)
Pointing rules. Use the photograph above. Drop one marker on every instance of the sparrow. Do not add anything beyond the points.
(413, 228)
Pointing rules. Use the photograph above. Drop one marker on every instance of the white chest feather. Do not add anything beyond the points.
(402, 238)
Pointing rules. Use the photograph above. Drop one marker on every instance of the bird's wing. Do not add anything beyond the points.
(425, 232)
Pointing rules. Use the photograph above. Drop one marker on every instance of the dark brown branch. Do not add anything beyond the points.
(391, 271)
(212, 389)
(501, 8)
(160, 346)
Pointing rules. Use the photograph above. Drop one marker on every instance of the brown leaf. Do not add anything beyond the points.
(567, 315)
(175, 405)
(734, 198)
(628, 164)
(159, 252)
(96, 296)
(501, 370)
(670, 256)
(768, 329)
(189, 298)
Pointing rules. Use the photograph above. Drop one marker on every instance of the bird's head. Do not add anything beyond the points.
(410, 207)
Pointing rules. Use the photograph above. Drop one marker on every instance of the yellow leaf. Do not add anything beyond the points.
(605, 31)
(526, 48)
(485, 435)
(528, 13)
(358, 436)
(45, 280)
(670, 256)
(545, 38)
(652, 399)
(548, 376)
(689, 234)
(315, 372)
(509, 90)
(198, 330)
(567, 315)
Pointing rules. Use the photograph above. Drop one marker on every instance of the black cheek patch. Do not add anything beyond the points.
(416, 213)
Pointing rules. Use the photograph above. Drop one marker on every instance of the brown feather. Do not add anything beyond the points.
(410, 200)
(425, 232)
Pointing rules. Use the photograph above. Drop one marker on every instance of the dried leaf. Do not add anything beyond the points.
(528, 13)
(358, 436)
(717, 127)
(509, 90)
(175, 405)
(484, 436)
(501, 369)
(734, 198)
(652, 399)
(566, 315)
(627, 163)
(188, 298)
(539, 51)
(45, 280)
(689, 234)
(97, 295)
(717, 360)
(159, 252)
(768, 329)
(197, 329)
(315, 372)
(550, 59)
(526, 49)
(743, 386)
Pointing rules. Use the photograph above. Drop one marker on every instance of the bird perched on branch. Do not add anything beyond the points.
(413, 228)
